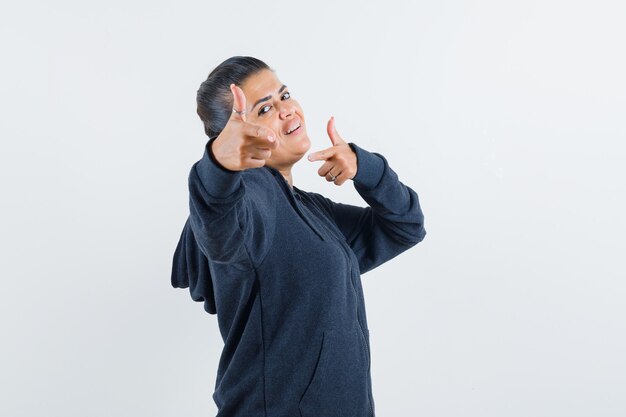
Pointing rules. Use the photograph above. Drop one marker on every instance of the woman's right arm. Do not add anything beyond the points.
(227, 225)
(217, 209)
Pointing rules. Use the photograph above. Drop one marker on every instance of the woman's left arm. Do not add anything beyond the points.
(392, 223)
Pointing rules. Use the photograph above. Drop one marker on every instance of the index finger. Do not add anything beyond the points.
(260, 132)
(323, 154)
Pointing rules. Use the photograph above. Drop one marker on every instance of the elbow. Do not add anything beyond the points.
(418, 232)
(417, 238)
(421, 235)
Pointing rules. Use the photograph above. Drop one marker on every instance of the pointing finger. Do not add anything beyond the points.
(322, 155)
(260, 132)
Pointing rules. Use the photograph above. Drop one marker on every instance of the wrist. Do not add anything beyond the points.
(213, 158)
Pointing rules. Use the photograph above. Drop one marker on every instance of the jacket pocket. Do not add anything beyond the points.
(338, 386)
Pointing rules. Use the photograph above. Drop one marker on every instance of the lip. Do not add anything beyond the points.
(297, 131)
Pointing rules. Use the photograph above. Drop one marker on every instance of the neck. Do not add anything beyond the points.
(286, 173)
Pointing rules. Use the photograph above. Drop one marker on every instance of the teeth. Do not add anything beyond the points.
(289, 131)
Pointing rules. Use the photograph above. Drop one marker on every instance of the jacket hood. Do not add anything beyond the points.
(190, 269)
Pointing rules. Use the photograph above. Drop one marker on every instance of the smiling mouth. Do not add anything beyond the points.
(294, 130)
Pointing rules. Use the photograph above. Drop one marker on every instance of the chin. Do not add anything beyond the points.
(302, 151)
(306, 144)
(300, 144)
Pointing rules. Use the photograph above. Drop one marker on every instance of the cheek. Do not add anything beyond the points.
(274, 124)
(298, 108)
(269, 122)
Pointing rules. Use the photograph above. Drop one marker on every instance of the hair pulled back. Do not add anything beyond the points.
(214, 98)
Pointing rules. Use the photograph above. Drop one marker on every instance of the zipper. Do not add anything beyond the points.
(367, 352)
(294, 198)
(365, 343)
(346, 249)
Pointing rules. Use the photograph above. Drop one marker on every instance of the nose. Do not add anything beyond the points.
(287, 110)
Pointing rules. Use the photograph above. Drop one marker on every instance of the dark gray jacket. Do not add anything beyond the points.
(282, 270)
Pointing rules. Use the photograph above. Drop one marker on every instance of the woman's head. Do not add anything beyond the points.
(214, 98)
(268, 103)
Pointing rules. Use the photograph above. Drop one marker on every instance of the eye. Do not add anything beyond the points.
(262, 110)
(286, 96)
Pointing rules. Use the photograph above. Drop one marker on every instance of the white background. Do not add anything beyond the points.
(506, 117)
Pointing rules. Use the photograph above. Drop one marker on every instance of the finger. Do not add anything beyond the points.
(341, 178)
(331, 129)
(326, 168)
(322, 155)
(337, 176)
(239, 102)
(259, 153)
(263, 134)
(254, 162)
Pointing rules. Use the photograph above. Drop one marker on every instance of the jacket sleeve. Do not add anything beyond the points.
(225, 223)
(392, 223)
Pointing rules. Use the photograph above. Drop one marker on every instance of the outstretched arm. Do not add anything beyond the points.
(227, 224)
(217, 209)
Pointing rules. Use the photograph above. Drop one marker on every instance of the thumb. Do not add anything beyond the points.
(335, 138)
(239, 103)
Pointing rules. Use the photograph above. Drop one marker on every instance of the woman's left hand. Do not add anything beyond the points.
(340, 158)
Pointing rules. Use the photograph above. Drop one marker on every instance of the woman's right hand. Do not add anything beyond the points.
(242, 145)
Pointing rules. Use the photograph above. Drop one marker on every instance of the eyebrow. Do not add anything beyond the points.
(268, 97)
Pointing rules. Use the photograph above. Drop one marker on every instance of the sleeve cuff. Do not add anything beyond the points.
(370, 168)
(217, 180)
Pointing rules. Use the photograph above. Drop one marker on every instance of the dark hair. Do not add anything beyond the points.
(214, 98)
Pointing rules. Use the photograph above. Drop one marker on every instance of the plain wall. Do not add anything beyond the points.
(507, 118)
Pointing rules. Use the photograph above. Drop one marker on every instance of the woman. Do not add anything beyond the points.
(281, 266)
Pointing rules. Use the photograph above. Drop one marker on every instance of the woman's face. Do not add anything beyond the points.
(269, 103)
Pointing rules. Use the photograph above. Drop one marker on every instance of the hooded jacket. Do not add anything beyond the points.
(281, 267)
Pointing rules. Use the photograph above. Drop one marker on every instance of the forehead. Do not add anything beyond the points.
(261, 84)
